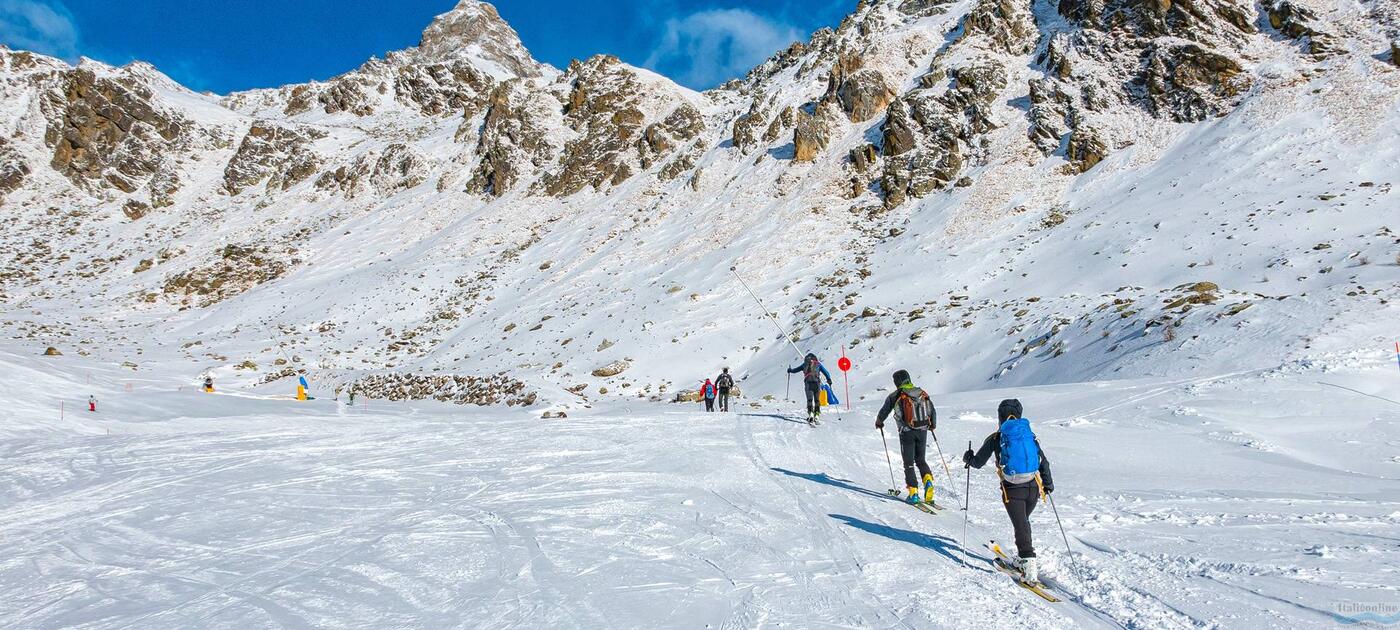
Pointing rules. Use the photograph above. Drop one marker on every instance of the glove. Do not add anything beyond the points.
(880, 424)
(967, 458)
(1049, 488)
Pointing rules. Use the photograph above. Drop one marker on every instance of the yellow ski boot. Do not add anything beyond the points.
(928, 488)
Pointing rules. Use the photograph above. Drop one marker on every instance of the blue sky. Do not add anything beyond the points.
(227, 45)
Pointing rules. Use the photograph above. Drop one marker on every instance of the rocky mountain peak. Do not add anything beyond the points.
(475, 29)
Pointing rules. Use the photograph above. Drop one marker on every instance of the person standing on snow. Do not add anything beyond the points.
(812, 372)
(92, 403)
(724, 383)
(707, 391)
(209, 384)
(1025, 476)
(916, 417)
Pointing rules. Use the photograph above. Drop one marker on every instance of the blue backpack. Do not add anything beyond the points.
(1019, 453)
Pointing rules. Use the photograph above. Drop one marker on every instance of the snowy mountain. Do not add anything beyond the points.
(1167, 226)
(1006, 192)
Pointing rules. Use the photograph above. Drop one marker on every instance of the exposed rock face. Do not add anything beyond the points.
(1187, 82)
(1300, 22)
(1006, 24)
(1085, 149)
(512, 134)
(397, 168)
(746, 127)
(237, 269)
(607, 105)
(928, 133)
(281, 155)
(13, 170)
(106, 131)
(864, 94)
(812, 132)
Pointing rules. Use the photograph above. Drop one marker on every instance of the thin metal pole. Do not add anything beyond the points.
(894, 490)
(946, 470)
(967, 503)
(786, 337)
(1073, 565)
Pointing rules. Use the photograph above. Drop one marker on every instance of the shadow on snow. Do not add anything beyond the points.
(944, 546)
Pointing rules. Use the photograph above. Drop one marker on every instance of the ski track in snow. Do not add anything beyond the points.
(216, 511)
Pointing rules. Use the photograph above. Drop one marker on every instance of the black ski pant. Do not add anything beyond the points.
(1020, 502)
(709, 404)
(912, 444)
(723, 399)
(814, 402)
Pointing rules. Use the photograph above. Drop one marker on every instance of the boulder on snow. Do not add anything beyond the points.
(1395, 51)
(52, 352)
(612, 369)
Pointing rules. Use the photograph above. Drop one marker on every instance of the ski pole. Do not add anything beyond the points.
(1072, 564)
(788, 395)
(894, 490)
(786, 337)
(946, 471)
(967, 503)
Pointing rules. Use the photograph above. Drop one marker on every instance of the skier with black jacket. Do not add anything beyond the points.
(916, 417)
(1025, 476)
(812, 372)
(724, 382)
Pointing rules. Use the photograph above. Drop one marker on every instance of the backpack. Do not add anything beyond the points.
(811, 371)
(1020, 455)
(725, 382)
(916, 409)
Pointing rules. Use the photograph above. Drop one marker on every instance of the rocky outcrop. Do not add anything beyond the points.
(398, 167)
(236, 269)
(863, 93)
(512, 137)
(928, 133)
(1395, 51)
(1298, 22)
(446, 88)
(812, 132)
(281, 155)
(13, 170)
(1188, 82)
(662, 138)
(105, 131)
(607, 106)
(1086, 149)
(746, 128)
(1007, 25)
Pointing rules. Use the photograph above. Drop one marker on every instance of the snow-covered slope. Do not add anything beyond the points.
(1264, 501)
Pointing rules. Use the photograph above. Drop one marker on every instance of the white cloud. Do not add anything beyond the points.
(706, 48)
(42, 26)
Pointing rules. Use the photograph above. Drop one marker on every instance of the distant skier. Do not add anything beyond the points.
(352, 396)
(812, 372)
(209, 384)
(707, 391)
(916, 416)
(1025, 476)
(92, 403)
(724, 383)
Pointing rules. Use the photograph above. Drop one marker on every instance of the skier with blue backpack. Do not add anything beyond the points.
(1025, 476)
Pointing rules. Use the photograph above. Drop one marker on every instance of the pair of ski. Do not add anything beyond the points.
(926, 507)
(1007, 565)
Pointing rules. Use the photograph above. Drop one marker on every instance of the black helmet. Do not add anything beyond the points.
(901, 377)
